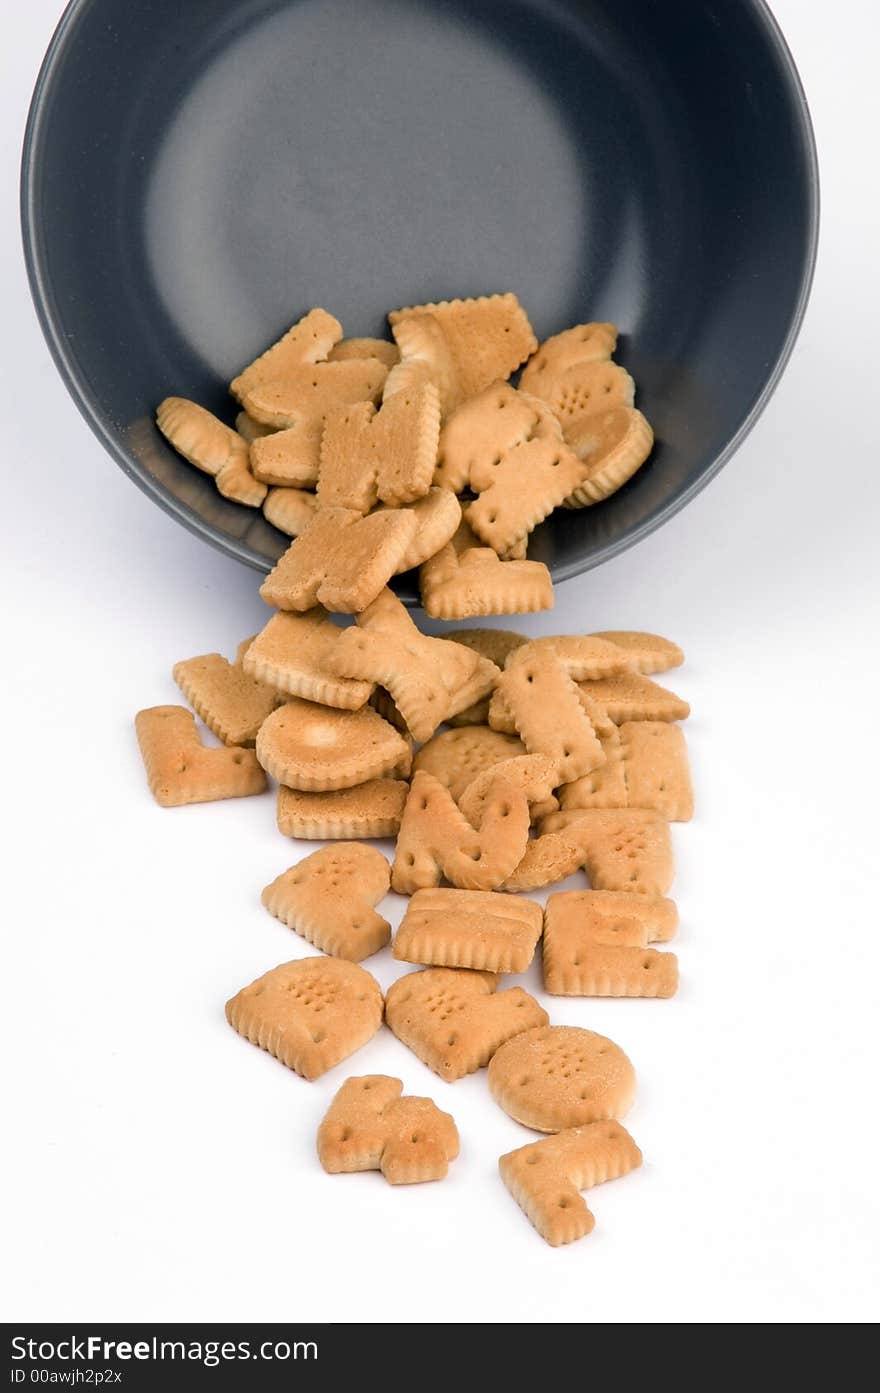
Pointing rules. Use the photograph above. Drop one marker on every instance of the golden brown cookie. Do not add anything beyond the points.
(486, 338)
(290, 510)
(308, 341)
(437, 517)
(559, 1076)
(469, 928)
(611, 446)
(371, 1126)
(649, 652)
(342, 561)
(455, 1020)
(646, 766)
(180, 769)
(211, 446)
(583, 343)
(387, 456)
(596, 944)
(465, 580)
(535, 776)
(428, 678)
(370, 809)
(435, 839)
(547, 712)
(546, 1177)
(482, 430)
(586, 388)
(230, 702)
(584, 656)
(292, 653)
(494, 644)
(387, 353)
(330, 898)
(456, 757)
(627, 849)
(631, 697)
(314, 748)
(289, 458)
(311, 1014)
(311, 391)
(521, 489)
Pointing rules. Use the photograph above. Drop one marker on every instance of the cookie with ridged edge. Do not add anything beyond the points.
(586, 388)
(466, 580)
(180, 769)
(632, 697)
(231, 702)
(468, 928)
(292, 653)
(370, 809)
(623, 849)
(646, 766)
(559, 1076)
(435, 838)
(582, 343)
(483, 429)
(535, 775)
(308, 341)
(487, 337)
(494, 644)
(596, 944)
(546, 1177)
(437, 517)
(649, 653)
(456, 757)
(371, 1125)
(520, 489)
(290, 510)
(429, 679)
(454, 1020)
(610, 446)
(311, 747)
(387, 353)
(211, 446)
(314, 390)
(309, 1014)
(330, 898)
(547, 712)
(342, 561)
(289, 458)
(384, 456)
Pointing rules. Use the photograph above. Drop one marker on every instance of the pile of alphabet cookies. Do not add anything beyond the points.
(500, 764)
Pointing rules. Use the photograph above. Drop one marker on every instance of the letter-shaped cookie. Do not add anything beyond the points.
(596, 944)
(455, 1020)
(465, 579)
(546, 1177)
(548, 713)
(428, 678)
(231, 702)
(310, 1014)
(180, 769)
(626, 849)
(370, 1126)
(329, 898)
(211, 446)
(342, 560)
(436, 839)
(469, 928)
(388, 456)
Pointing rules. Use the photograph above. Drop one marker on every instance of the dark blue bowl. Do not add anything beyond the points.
(197, 175)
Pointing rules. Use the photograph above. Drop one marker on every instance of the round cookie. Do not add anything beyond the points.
(559, 1076)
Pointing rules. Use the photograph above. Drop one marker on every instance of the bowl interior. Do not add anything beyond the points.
(197, 176)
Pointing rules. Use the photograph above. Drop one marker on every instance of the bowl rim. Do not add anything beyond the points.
(78, 387)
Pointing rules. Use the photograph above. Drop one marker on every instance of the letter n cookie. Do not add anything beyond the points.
(370, 1125)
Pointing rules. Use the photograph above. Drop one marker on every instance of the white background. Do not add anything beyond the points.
(158, 1167)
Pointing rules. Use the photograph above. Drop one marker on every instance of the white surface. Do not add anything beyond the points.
(157, 1167)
